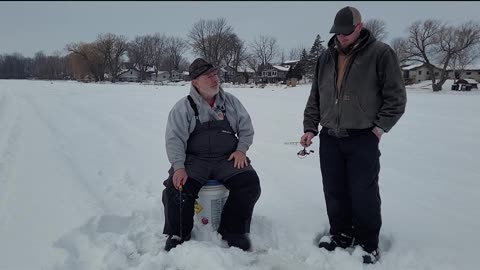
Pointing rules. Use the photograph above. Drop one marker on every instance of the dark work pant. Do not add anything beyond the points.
(350, 168)
(237, 213)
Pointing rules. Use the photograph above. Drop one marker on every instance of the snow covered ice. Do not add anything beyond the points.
(82, 166)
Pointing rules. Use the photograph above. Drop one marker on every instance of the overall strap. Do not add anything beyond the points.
(193, 105)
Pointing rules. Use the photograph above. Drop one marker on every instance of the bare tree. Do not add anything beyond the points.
(377, 27)
(2, 69)
(78, 66)
(92, 57)
(12, 66)
(282, 56)
(209, 39)
(112, 49)
(184, 64)
(159, 51)
(456, 42)
(253, 62)
(296, 53)
(265, 48)
(421, 43)
(235, 51)
(39, 61)
(464, 58)
(399, 45)
(53, 67)
(175, 48)
(141, 53)
(64, 66)
(433, 42)
(235, 54)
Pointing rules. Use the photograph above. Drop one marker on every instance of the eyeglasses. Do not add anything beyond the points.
(348, 34)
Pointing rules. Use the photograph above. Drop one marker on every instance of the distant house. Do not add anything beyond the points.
(186, 76)
(160, 76)
(419, 72)
(176, 76)
(290, 63)
(129, 75)
(227, 74)
(273, 73)
(469, 72)
(243, 74)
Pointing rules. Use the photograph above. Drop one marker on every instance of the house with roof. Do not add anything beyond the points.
(160, 76)
(272, 73)
(469, 72)
(129, 75)
(419, 72)
(186, 76)
(242, 74)
(290, 63)
(245, 74)
(176, 76)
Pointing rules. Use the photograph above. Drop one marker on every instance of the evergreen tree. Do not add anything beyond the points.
(290, 73)
(295, 71)
(316, 50)
(303, 62)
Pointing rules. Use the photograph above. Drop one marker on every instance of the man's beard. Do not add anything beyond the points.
(215, 89)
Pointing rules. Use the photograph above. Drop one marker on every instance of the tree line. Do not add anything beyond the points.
(432, 42)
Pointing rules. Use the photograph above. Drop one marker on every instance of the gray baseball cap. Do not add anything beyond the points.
(346, 20)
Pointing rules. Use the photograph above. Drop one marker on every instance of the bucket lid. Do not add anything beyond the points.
(213, 182)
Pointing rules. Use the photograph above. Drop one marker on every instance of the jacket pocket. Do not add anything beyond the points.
(353, 114)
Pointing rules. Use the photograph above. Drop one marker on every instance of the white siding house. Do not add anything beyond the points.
(470, 72)
(161, 76)
(176, 76)
(129, 75)
(419, 72)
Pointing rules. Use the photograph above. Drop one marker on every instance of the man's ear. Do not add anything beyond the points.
(360, 25)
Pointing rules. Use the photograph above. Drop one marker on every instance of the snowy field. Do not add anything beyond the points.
(82, 165)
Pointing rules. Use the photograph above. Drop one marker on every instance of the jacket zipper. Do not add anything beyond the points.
(335, 75)
(337, 91)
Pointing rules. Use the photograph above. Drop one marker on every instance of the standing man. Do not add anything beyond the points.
(207, 137)
(357, 94)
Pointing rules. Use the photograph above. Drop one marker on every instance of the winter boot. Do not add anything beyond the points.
(331, 242)
(371, 257)
(174, 240)
(241, 241)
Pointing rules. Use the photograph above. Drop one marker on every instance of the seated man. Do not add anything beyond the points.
(208, 134)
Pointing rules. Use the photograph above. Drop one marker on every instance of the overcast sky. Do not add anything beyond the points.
(28, 27)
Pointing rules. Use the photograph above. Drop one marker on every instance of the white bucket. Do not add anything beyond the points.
(209, 205)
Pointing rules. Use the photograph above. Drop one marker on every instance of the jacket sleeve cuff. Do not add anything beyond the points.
(384, 130)
(242, 148)
(178, 165)
(315, 132)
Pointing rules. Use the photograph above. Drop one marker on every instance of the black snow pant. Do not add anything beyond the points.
(244, 191)
(350, 165)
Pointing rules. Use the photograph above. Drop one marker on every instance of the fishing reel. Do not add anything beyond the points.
(304, 152)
